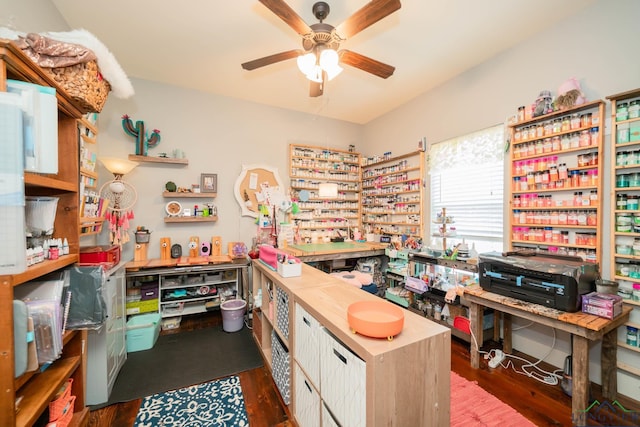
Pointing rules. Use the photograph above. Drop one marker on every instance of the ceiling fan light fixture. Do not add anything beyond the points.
(315, 75)
(306, 63)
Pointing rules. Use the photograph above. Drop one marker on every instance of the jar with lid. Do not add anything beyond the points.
(632, 202)
(593, 198)
(622, 112)
(622, 158)
(574, 140)
(622, 135)
(632, 336)
(585, 120)
(635, 295)
(575, 122)
(539, 130)
(634, 109)
(566, 124)
(557, 125)
(521, 113)
(594, 159)
(585, 138)
(565, 142)
(621, 201)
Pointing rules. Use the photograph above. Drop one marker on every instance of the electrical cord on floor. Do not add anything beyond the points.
(538, 374)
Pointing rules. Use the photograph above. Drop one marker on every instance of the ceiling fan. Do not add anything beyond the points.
(319, 59)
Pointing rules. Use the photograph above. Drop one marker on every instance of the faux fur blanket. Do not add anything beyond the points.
(109, 67)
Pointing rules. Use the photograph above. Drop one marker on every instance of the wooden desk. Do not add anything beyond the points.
(582, 327)
(340, 250)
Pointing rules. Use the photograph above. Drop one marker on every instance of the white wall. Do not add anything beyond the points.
(218, 135)
(599, 47)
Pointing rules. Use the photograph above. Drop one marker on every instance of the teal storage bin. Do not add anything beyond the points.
(142, 331)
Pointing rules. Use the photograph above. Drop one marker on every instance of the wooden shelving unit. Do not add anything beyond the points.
(37, 389)
(549, 211)
(90, 222)
(625, 171)
(392, 194)
(311, 166)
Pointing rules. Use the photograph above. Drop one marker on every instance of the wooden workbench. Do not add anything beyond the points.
(582, 327)
(339, 250)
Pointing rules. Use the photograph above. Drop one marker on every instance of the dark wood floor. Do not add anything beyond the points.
(542, 404)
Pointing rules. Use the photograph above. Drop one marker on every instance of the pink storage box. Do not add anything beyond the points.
(603, 305)
(269, 255)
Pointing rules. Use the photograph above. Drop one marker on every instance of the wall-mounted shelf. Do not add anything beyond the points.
(152, 159)
(178, 195)
(191, 219)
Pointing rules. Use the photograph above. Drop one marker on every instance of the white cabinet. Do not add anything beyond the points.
(106, 346)
(330, 367)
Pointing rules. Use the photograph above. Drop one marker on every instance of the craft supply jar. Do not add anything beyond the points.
(585, 138)
(622, 112)
(566, 124)
(632, 336)
(621, 201)
(634, 109)
(624, 293)
(623, 135)
(575, 122)
(585, 120)
(521, 113)
(635, 295)
(622, 269)
(557, 125)
(632, 203)
(622, 181)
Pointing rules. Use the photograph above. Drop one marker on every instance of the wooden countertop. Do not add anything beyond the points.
(337, 250)
(329, 304)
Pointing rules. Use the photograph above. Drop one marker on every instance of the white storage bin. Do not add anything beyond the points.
(306, 344)
(342, 381)
(307, 402)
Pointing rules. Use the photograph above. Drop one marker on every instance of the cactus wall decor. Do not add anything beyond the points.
(143, 142)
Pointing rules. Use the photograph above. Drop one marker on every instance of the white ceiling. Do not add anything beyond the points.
(200, 44)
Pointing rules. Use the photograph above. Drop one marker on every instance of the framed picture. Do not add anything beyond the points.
(209, 183)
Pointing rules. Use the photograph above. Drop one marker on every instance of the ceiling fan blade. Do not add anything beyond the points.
(271, 59)
(365, 63)
(316, 89)
(283, 11)
(371, 13)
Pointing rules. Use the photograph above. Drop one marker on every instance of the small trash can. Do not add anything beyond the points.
(233, 314)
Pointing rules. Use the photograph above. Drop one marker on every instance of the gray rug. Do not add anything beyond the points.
(184, 359)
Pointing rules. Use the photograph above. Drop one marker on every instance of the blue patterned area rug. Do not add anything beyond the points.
(216, 403)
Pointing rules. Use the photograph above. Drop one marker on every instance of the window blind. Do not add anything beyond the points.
(467, 178)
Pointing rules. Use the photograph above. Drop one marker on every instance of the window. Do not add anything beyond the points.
(467, 178)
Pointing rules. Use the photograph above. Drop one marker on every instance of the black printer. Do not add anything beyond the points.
(549, 280)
